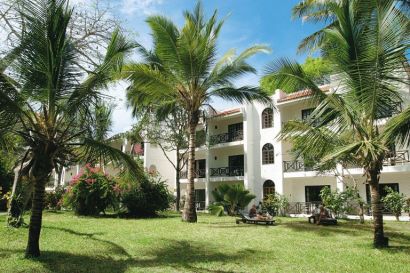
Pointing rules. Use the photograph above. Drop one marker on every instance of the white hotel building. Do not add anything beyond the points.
(241, 147)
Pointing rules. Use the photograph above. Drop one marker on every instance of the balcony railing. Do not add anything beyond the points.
(302, 207)
(309, 208)
(227, 171)
(200, 173)
(200, 205)
(397, 158)
(394, 109)
(227, 137)
(295, 166)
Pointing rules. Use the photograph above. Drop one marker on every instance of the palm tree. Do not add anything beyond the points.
(366, 46)
(187, 74)
(47, 102)
(232, 197)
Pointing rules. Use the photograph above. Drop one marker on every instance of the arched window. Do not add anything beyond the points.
(268, 188)
(267, 118)
(268, 155)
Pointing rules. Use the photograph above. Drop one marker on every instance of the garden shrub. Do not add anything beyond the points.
(275, 204)
(340, 203)
(53, 200)
(144, 198)
(232, 197)
(394, 202)
(91, 192)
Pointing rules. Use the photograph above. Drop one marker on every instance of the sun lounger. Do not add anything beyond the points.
(323, 221)
(248, 220)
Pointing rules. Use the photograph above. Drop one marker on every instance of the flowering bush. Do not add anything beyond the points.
(53, 200)
(91, 192)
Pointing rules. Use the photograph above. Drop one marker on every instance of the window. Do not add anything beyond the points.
(306, 113)
(268, 155)
(268, 188)
(267, 118)
(382, 190)
(235, 131)
(200, 199)
(312, 193)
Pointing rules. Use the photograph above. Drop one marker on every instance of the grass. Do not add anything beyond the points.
(79, 244)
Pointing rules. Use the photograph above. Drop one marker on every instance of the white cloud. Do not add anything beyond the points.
(140, 7)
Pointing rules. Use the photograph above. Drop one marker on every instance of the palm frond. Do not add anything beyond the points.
(397, 129)
(242, 94)
(89, 91)
(91, 149)
(290, 76)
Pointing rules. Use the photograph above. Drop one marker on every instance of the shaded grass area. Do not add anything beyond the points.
(79, 244)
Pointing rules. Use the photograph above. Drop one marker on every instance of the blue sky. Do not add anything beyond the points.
(248, 22)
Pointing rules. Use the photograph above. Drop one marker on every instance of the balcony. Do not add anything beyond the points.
(226, 171)
(227, 137)
(397, 158)
(200, 173)
(295, 166)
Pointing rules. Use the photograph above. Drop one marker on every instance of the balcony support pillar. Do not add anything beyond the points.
(340, 183)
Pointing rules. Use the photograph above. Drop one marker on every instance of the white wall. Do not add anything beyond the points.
(154, 158)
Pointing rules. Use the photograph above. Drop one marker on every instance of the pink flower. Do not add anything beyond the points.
(91, 169)
(90, 181)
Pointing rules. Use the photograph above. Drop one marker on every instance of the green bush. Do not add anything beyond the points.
(91, 192)
(232, 197)
(275, 204)
(53, 200)
(6, 183)
(144, 198)
(394, 202)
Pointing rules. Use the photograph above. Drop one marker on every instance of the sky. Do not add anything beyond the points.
(247, 22)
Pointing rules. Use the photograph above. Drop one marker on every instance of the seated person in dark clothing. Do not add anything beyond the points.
(253, 212)
(323, 214)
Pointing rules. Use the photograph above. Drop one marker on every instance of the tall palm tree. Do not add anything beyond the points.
(187, 73)
(366, 45)
(48, 100)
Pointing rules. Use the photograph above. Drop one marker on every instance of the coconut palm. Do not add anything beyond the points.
(187, 74)
(366, 47)
(46, 100)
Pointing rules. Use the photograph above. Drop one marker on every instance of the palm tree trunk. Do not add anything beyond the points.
(178, 185)
(189, 214)
(379, 240)
(41, 175)
(361, 213)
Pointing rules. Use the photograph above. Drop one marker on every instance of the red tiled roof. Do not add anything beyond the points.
(227, 112)
(300, 94)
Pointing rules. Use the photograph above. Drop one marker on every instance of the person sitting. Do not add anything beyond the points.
(323, 214)
(253, 212)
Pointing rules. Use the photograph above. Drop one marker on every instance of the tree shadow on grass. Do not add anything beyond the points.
(115, 248)
(172, 256)
(399, 241)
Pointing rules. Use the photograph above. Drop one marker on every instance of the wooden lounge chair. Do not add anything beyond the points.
(248, 220)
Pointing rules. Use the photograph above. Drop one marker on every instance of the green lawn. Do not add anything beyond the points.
(78, 244)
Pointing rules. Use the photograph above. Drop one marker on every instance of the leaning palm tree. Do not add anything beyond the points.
(366, 46)
(46, 101)
(182, 70)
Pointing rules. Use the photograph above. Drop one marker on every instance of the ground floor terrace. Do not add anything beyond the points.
(303, 189)
(214, 244)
